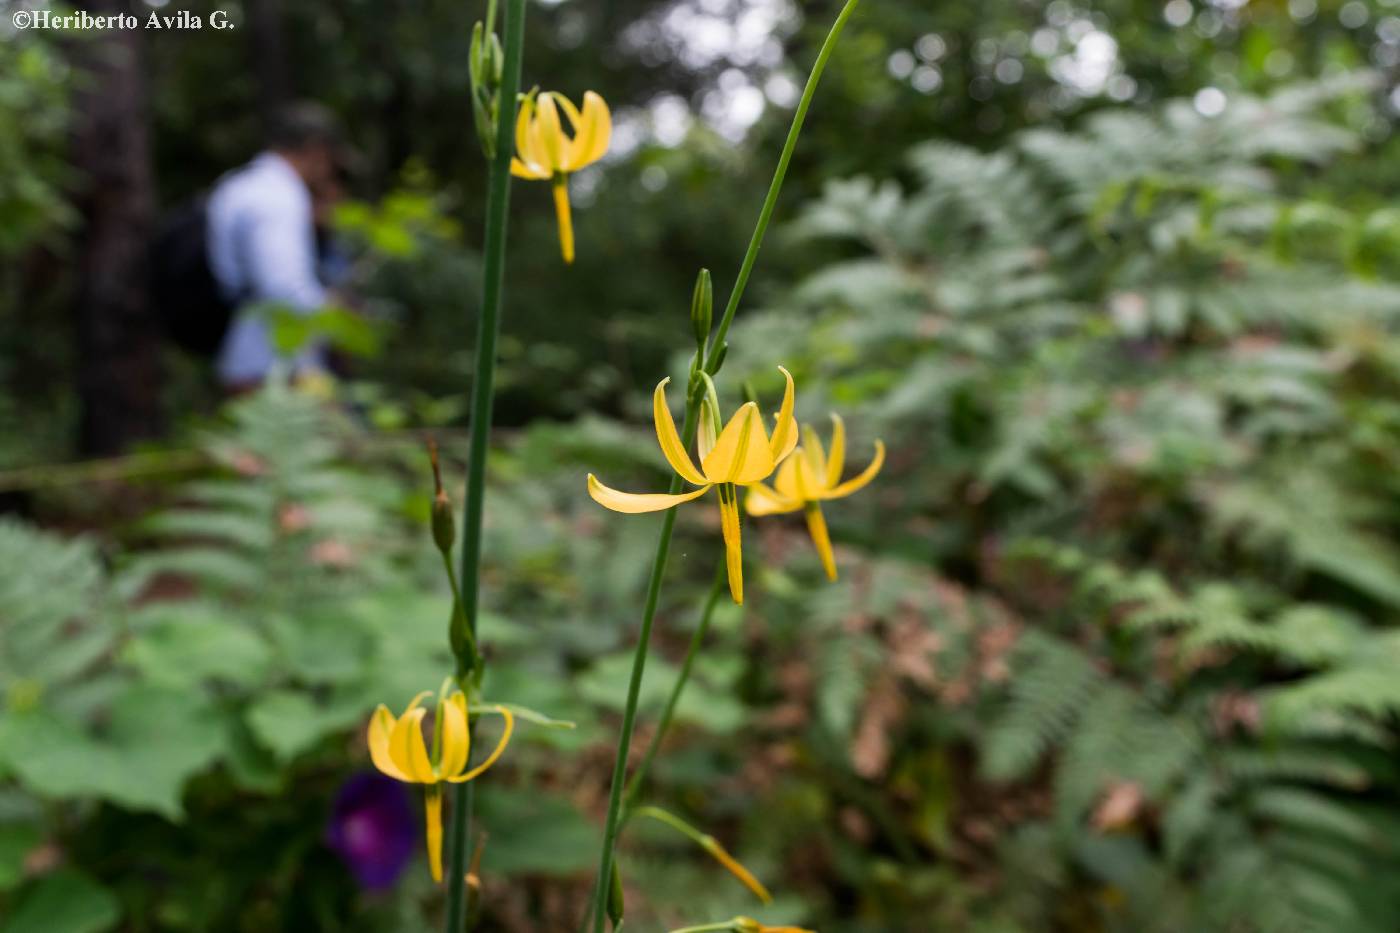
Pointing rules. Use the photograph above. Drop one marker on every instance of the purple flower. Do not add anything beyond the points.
(373, 829)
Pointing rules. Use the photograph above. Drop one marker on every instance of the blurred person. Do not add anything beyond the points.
(262, 242)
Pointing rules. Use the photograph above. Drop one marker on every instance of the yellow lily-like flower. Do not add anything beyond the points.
(397, 748)
(809, 477)
(546, 152)
(739, 455)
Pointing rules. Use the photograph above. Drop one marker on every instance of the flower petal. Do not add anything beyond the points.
(785, 483)
(816, 456)
(456, 737)
(407, 750)
(816, 525)
(733, 549)
(670, 441)
(381, 724)
(521, 170)
(836, 457)
(851, 485)
(592, 130)
(741, 454)
(764, 501)
(785, 428)
(525, 137)
(509, 727)
(432, 806)
(417, 699)
(549, 135)
(637, 503)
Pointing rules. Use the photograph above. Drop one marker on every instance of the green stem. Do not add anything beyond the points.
(634, 686)
(663, 547)
(634, 786)
(770, 203)
(707, 927)
(483, 392)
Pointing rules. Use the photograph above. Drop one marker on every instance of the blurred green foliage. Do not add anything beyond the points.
(1113, 647)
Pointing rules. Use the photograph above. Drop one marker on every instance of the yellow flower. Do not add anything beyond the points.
(808, 477)
(546, 152)
(739, 455)
(397, 748)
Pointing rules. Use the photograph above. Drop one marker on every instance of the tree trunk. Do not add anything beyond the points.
(119, 371)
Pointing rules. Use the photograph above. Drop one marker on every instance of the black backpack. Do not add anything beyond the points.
(186, 296)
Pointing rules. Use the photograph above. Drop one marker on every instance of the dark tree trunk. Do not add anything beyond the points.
(269, 59)
(118, 336)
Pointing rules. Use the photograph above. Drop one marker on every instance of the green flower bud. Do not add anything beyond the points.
(443, 524)
(615, 906)
(702, 304)
(718, 361)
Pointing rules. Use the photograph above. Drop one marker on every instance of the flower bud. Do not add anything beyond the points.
(702, 304)
(443, 524)
(475, 57)
(718, 361)
(615, 905)
(485, 63)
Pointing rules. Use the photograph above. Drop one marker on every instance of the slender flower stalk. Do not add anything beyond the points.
(483, 391)
(712, 358)
(663, 725)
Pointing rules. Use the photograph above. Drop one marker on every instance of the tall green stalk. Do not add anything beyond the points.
(663, 725)
(663, 546)
(483, 393)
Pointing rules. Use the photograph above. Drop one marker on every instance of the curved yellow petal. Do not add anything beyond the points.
(509, 727)
(836, 457)
(521, 170)
(637, 503)
(552, 144)
(764, 501)
(741, 454)
(432, 807)
(592, 130)
(807, 484)
(785, 483)
(733, 546)
(816, 526)
(785, 427)
(851, 485)
(417, 699)
(815, 455)
(381, 724)
(456, 737)
(525, 137)
(407, 750)
(670, 440)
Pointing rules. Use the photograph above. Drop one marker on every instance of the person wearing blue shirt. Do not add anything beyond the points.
(262, 243)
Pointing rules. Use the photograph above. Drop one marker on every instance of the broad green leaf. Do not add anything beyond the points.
(16, 841)
(187, 653)
(64, 902)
